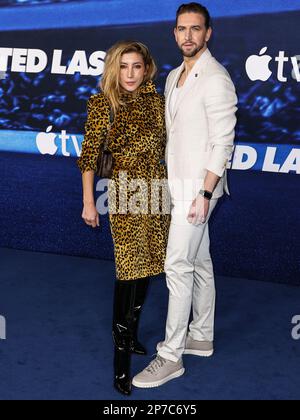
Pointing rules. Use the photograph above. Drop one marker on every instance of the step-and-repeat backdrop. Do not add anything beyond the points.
(52, 56)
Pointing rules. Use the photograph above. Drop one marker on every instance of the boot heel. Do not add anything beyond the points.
(140, 296)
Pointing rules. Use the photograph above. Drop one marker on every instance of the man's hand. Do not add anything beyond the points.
(198, 211)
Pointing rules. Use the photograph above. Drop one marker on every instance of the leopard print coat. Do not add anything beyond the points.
(137, 141)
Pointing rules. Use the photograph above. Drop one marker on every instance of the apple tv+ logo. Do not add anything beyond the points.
(257, 66)
(47, 143)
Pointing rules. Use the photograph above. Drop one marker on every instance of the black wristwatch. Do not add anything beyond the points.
(206, 194)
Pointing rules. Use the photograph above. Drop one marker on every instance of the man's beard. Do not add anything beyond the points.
(192, 53)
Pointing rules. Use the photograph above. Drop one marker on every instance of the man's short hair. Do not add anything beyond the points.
(194, 8)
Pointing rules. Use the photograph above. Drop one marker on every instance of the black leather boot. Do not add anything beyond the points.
(123, 326)
(140, 295)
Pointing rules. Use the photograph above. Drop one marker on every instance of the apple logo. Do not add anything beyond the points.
(257, 66)
(46, 142)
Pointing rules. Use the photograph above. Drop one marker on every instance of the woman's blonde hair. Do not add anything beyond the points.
(110, 83)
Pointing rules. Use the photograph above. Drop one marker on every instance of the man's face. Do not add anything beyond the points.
(191, 33)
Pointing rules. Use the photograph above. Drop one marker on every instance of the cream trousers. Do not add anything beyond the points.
(190, 280)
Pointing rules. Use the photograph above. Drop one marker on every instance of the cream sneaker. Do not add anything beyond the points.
(158, 372)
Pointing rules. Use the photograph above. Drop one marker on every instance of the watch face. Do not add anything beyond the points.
(206, 194)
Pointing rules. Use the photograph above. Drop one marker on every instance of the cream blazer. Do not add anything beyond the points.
(200, 133)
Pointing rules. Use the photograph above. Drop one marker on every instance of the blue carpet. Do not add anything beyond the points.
(58, 346)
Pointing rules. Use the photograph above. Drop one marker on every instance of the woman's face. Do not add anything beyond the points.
(132, 71)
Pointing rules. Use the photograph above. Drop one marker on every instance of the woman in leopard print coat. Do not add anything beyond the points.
(137, 142)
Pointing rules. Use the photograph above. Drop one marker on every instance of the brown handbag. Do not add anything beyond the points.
(105, 161)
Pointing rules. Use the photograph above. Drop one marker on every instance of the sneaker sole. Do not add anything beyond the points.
(158, 383)
(200, 353)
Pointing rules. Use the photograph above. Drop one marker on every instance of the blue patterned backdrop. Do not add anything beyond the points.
(51, 59)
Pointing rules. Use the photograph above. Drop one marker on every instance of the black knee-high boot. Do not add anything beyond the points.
(129, 298)
(123, 327)
(140, 295)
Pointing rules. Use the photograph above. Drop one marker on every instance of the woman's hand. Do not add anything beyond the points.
(90, 215)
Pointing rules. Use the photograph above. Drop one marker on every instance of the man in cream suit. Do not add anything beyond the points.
(200, 117)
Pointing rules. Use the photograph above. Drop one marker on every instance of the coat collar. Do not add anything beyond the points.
(145, 89)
